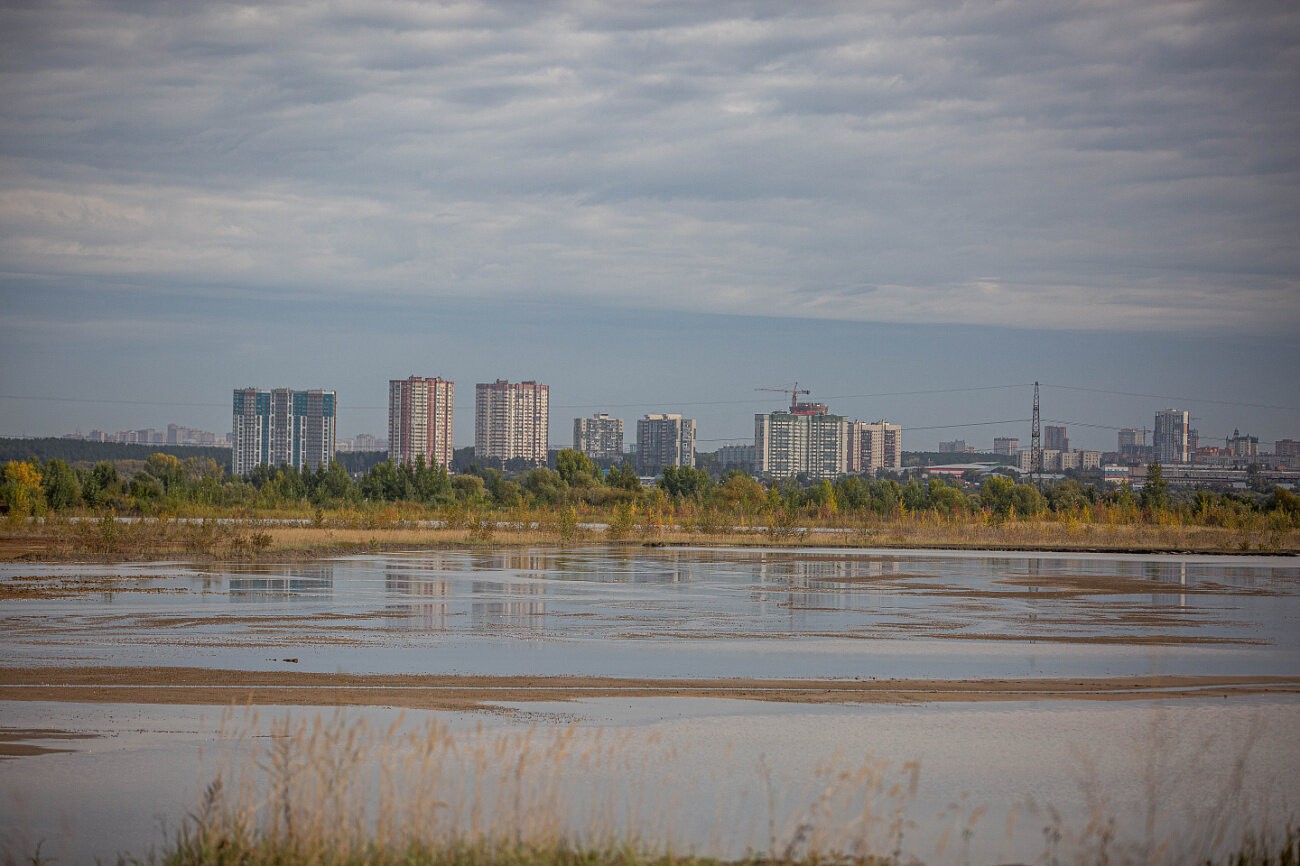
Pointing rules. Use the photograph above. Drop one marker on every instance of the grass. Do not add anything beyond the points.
(103, 536)
(337, 792)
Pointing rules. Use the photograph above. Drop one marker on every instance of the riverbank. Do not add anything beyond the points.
(101, 539)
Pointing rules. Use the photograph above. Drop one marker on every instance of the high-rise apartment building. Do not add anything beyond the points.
(1007, 446)
(420, 420)
(874, 446)
(662, 440)
(511, 421)
(600, 437)
(813, 444)
(1170, 439)
(1056, 439)
(282, 427)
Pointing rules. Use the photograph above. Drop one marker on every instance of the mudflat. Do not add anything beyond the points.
(179, 685)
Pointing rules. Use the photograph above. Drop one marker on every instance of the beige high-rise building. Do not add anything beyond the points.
(512, 421)
(874, 446)
(420, 420)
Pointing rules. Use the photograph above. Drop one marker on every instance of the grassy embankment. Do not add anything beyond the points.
(338, 792)
(240, 535)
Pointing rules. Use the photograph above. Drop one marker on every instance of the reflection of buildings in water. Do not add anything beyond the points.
(429, 598)
(823, 573)
(287, 581)
(520, 606)
(821, 583)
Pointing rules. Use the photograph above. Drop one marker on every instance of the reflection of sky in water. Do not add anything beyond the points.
(699, 766)
(683, 612)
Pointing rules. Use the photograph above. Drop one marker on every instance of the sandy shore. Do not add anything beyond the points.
(163, 685)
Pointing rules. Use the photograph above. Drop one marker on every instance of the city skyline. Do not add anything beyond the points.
(1095, 432)
(668, 205)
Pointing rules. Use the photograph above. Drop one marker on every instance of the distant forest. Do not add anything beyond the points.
(77, 452)
(80, 453)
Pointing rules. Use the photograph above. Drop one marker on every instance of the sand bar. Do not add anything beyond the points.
(169, 685)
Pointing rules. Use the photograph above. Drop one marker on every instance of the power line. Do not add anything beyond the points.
(1192, 400)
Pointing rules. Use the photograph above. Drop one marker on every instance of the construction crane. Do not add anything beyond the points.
(794, 392)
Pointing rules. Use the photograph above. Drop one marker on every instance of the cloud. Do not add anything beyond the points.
(1096, 165)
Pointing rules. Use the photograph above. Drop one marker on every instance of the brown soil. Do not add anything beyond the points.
(13, 741)
(158, 685)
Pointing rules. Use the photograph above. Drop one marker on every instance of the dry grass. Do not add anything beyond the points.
(337, 791)
(107, 538)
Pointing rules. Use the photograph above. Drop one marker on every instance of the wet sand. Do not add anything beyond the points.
(165, 685)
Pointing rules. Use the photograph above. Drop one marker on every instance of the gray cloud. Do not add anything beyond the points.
(1094, 165)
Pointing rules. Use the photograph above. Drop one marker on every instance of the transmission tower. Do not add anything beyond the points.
(1035, 446)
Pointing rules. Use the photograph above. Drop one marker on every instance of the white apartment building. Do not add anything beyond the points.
(815, 445)
(512, 421)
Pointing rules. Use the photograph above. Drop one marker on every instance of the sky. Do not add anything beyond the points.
(913, 209)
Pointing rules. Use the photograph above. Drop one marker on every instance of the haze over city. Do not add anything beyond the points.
(656, 208)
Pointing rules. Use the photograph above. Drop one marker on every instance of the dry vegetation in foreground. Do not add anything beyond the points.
(107, 537)
(337, 791)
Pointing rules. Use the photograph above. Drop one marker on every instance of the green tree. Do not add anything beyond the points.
(685, 482)
(334, 487)
(103, 486)
(430, 484)
(545, 486)
(61, 486)
(575, 468)
(468, 489)
(624, 478)
(1155, 492)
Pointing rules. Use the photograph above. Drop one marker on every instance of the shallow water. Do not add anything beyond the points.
(727, 776)
(727, 765)
(680, 612)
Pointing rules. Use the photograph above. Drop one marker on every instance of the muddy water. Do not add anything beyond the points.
(733, 769)
(673, 613)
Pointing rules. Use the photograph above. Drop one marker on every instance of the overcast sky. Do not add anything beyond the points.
(654, 206)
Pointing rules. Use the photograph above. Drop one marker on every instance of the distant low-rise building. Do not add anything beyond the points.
(739, 458)
(1244, 447)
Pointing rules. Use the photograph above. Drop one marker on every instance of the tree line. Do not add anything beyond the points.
(165, 483)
